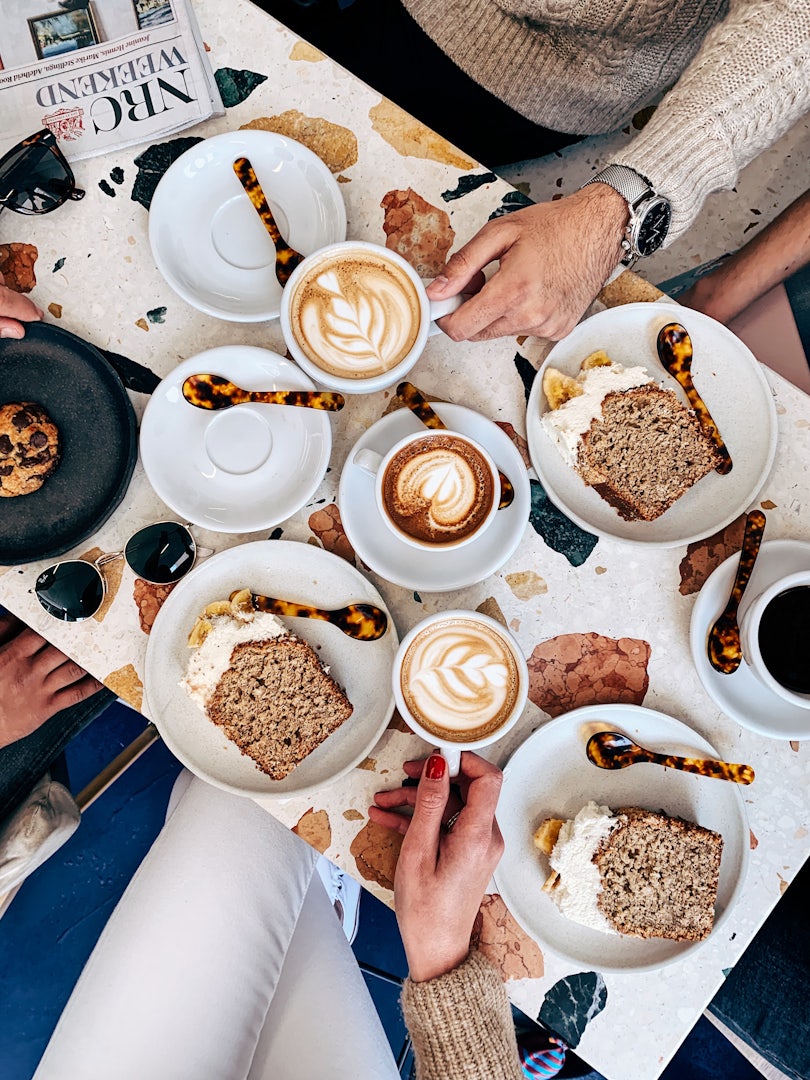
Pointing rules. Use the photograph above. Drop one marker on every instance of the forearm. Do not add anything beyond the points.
(461, 1024)
(748, 83)
(781, 249)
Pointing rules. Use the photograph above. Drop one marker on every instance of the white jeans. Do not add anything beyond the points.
(224, 959)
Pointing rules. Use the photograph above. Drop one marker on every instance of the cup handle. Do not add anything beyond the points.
(368, 461)
(452, 756)
(438, 308)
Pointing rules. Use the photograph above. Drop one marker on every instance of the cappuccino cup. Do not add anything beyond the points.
(355, 316)
(775, 638)
(460, 682)
(434, 489)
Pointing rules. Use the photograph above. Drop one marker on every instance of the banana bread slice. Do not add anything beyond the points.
(644, 452)
(277, 702)
(659, 876)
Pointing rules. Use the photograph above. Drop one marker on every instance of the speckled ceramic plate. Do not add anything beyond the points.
(207, 239)
(550, 776)
(730, 381)
(289, 571)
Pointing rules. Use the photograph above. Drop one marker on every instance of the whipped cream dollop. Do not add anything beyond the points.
(567, 424)
(357, 319)
(459, 676)
(579, 884)
(211, 660)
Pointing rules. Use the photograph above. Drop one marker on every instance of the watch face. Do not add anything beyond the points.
(654, 226)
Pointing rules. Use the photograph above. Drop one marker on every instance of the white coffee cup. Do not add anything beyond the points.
(355, 316)
(444, 491)
(751, 624)
(460, 682)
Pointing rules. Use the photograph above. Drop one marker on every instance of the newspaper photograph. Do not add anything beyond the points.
(101, 74)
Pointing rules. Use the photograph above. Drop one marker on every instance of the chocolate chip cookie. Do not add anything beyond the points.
(29, 448)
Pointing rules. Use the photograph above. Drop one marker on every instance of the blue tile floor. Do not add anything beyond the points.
(50, 928)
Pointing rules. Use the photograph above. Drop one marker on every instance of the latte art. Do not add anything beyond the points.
(438, 489)
(460, 680)
(356, 315)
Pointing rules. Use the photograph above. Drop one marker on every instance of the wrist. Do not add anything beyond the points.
(607, 215)
(431, 964)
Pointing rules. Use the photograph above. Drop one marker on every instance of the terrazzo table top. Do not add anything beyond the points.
(599, 621)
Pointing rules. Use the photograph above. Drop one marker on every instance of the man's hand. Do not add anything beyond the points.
(36, 681)
(15, 309)
(553, 260)
(442, 876)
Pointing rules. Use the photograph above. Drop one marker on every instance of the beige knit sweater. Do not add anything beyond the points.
(461, 1025)
(741, 70)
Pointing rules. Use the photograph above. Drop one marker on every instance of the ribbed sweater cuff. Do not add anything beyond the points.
(685, 174)
(461, 1024)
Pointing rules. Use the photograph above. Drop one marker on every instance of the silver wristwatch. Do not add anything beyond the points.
(650, 213)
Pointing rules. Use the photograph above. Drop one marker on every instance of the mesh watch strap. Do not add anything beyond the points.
(631, 185)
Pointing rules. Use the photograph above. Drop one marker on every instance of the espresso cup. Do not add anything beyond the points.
(434, 489)
(460, 682)
(355, 316)
(775, 638)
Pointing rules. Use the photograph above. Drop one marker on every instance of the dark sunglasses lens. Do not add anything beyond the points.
(35, 179)
(161, 553)
(70, 591)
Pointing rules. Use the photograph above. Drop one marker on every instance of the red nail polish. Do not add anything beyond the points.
(436, 767)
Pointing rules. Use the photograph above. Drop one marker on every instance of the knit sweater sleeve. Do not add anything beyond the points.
(461, 1024)
(747, 84)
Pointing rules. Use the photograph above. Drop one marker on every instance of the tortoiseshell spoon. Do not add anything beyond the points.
(675, 353)
(723, 648)
(287, 258)
(361, 621)
(612, 750)
(214, 392)
(420, 407)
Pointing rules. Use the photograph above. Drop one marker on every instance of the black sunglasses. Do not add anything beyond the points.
(35, 178)
(74, 590)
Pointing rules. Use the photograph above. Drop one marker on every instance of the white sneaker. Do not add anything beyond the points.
(344, 895)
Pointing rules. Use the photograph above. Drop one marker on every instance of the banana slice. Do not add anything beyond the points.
(550, 884)
(596, 359)
(559, 388)
(218, 607)
(546, 835)
(241, 604)
(199, 632)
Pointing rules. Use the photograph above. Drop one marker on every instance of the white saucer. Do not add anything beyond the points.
(240, 469)
(288, 571)
(730, 381)
(432, 571)
(741, 695)
(208, 240)
(549, 775)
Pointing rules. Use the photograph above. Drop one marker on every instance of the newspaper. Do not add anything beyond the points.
(102, 75)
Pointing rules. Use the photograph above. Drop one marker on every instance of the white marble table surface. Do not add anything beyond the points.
(96, 277)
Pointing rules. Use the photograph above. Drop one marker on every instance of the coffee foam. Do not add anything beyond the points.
(356, 315)
(438, 489)
(460, 680)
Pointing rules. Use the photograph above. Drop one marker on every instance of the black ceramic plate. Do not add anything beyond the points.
(88, 403)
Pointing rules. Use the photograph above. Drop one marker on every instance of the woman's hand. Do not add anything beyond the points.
(15, 309)
(553, 259)
(442, 875)
(36, 680)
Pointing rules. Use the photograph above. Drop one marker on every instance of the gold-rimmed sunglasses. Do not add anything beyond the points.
(74, 590)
